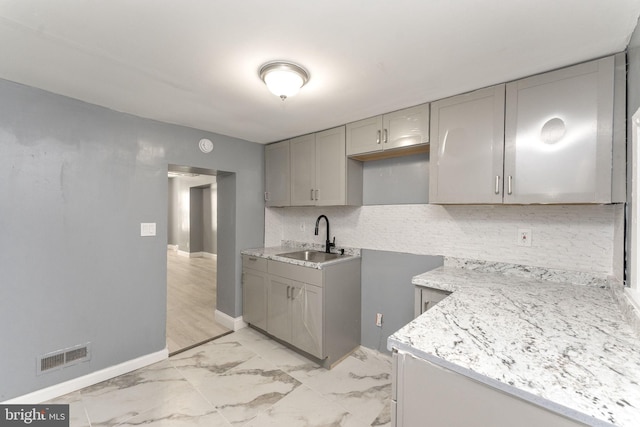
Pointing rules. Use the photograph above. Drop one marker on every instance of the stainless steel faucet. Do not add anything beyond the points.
(328, 243)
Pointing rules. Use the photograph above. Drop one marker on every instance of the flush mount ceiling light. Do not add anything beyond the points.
(283, 79)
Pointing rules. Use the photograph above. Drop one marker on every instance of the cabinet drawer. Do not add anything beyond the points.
(254, 262)
(298, 273)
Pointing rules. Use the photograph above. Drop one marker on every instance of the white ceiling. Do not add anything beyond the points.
(195, 62)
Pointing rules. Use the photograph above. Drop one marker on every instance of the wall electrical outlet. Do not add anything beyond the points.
(524, 237)
(379, 319)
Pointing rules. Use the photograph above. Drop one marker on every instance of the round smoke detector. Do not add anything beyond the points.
(205, 145)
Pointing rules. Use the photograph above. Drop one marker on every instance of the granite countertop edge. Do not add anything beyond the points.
(273, 252)
(465, 284)
(498, 385)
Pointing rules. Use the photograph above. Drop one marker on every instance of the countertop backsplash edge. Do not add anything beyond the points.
(533, 272)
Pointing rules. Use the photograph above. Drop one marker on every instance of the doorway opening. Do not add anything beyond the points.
(192, 253)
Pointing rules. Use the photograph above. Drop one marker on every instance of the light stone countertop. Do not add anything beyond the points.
(272, 253)
(564, 346)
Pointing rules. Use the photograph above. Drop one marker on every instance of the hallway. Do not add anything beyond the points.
(191, 301)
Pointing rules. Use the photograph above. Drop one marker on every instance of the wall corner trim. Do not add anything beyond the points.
(230, 322)
(75, 384)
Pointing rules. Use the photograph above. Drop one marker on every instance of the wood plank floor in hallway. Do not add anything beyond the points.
(191, 301)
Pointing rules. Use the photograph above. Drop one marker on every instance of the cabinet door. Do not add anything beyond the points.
(558, 136)
(279, 310)
(467, 140)
(303, 170)
(331, 167)
(306, 318)
(406, 127)
(277, 174)
(254, 297)
(429, 297)
(431, 395)
(364, 136)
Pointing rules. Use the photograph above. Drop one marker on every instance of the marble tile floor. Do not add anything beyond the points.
(241, 379)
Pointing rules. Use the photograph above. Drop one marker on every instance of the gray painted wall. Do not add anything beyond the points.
(396, 181)
(76, 181)
(228, 247)
(173, 212)
(210, 218)
(386, 276)
(196, 220)
(387, 289)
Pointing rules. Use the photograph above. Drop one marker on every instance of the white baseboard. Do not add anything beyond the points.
(172, 248)
(75, 384)
(197, 254)
(229, 322)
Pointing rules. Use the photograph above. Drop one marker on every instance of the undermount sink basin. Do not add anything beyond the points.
(312, 256)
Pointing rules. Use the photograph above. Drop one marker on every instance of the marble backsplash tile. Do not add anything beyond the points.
(585, 238)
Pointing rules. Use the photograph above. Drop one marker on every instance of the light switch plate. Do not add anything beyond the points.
(147, 229)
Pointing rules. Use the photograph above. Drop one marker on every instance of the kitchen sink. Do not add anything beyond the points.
(312, 256)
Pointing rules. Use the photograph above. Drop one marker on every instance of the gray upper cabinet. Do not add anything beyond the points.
(399, 129)
(331, 171)
(321, 174)
(277, 174)
(559, 134)
(467, 140)
(364, 136)
(303, 170)
(556, 131)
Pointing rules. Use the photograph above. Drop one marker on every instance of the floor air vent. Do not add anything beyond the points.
(63, 358)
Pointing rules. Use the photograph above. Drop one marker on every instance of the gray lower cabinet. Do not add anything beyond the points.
(426, 298)
(254, 291)
(425, 394)
(295, 314)
(316, 311)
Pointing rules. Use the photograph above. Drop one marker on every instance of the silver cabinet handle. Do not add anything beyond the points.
(253, 259)
(509, 185)
(378, 138)
(288, 287)
(386, 136)
(497, 184)
(317, 194)
(312, 194)
(266, 196)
